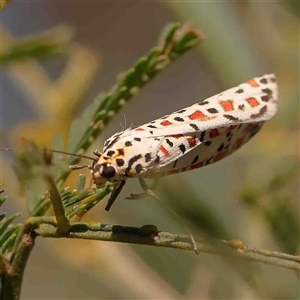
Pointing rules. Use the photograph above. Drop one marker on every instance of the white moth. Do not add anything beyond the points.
(187, 139)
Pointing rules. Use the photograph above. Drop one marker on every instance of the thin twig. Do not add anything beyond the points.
(63, 224)
(13, 277)
(138, 236)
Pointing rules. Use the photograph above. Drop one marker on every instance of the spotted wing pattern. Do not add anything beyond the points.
(197, 135)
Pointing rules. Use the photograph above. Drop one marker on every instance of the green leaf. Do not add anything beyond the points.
(9, 243)
(4, 225)
(2, 200)
(2, 216)
(46, 44)
(89, 202)
(6, 236)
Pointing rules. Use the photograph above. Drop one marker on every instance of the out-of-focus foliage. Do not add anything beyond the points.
(3, 3)
(8, 231)
(45, 45)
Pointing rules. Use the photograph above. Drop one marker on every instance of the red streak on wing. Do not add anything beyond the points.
(192, 142)
(197, 165)
(252, 101)
(213, 133)
(139, 129)
(197, 115)
(166, 123)
(164, 150)
(227, 105)
(220, 155)
(173, 172)
(252, 82)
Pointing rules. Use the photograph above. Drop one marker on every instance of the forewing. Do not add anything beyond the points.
(253, 101)
(215, 127)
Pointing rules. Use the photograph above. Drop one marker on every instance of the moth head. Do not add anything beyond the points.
(104, 169)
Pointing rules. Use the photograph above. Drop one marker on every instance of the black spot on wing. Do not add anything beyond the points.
(132, 160)
(194, 126)
(266, 98)
(221, 147)
(264, 81)
(182, 148)
(169, 143)
(195, 159)
(178, 119)
(267, 91)
(147, 157)
(208, 161)
(212, 110)
(175, 163)
(231, 118)
(202, 136)
(262, 111)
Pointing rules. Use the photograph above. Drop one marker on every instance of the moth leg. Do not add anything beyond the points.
(147, 190)
(114, 195)
(173, 214)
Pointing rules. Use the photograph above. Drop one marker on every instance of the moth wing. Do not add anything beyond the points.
(254, 101)
(173, 147)
(250, 102)
(225, 141)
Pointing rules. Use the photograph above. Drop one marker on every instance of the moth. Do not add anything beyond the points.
(189, 138)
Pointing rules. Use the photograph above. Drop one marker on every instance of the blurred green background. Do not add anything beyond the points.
(252, 195)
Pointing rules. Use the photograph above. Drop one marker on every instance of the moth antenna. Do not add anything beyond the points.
(79, 167)
(72, 154)
(97, 153)
(58, 151)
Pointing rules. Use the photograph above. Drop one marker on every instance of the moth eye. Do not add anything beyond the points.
(107, 171)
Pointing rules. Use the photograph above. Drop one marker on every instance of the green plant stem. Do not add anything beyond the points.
(12, 279)
(63, 224)
(134, 235)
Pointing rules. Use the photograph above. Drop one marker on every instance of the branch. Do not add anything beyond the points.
(12, 278)
(148, 235)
